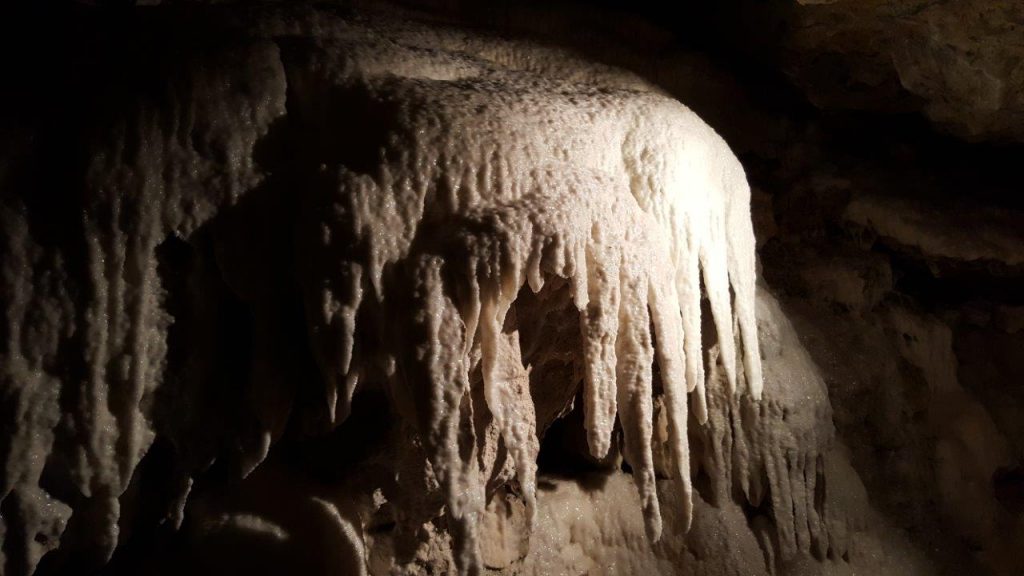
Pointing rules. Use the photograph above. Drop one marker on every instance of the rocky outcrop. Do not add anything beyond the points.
(960, 63)
(320, 291)
(407, 185)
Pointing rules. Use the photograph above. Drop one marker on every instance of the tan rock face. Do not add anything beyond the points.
(960, 63)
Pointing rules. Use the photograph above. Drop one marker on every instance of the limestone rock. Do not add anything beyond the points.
(960, 63)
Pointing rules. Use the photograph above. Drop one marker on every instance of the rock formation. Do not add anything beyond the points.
(327, 290)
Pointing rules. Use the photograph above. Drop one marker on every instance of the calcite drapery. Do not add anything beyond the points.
(437, 174)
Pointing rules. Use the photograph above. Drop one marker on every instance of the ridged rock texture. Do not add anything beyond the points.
(425, 188)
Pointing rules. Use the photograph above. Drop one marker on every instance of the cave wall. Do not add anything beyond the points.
(152, 155)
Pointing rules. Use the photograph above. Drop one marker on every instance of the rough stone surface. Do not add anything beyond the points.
(178, 392)
(296, 206)
(960, 63)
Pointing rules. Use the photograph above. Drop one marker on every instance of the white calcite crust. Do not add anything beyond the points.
(488, 179)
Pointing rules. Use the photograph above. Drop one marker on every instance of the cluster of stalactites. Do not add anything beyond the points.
(490, 183)
(492, 177)
(628, 273)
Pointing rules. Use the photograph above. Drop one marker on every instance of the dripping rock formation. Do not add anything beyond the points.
(442, 289)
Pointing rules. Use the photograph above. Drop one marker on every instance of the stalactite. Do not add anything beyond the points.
(428, 198)
(502, 181)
